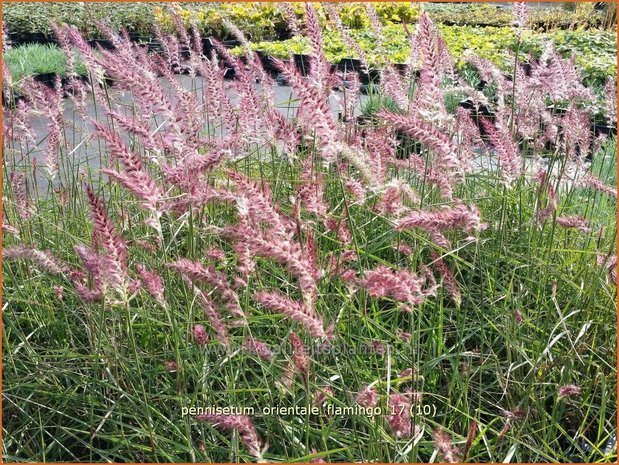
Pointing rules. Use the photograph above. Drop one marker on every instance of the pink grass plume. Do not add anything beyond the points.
(245, 428)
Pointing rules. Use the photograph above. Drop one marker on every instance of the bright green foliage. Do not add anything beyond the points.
(35, 59)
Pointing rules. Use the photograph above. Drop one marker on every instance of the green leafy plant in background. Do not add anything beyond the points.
(268, 21)
(36, 59)
(594, 50)
(582, 16)
(23, 19)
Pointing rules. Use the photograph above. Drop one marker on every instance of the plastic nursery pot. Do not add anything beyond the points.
(207, 46)
(526, 67)
(231, 43)
(406, 146)
(46, 78)
(349, 64)
(154, 46)
(83, 78)
(556, 110)
(140, 38)
(11, 101)
(283, 33)
(229, 73)
(346, 85)
(365, 89)
(101, 43)
(363, 120)
(302, 62)
(185, 52)
(401, 67)
(598, 128)
(370, 77)
(267, 64)
(478, 113)
(17, 38)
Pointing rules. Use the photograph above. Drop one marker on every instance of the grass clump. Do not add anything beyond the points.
(189, 242)
(36, 59)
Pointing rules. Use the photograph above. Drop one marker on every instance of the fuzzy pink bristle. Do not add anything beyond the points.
(297, 311)
(259, 348)
(575, 222)
(459, 216)
(401, 285)
(444, 444)
(367, 397)
(196, 272)
(105, 234)
(243, 425)
(152, 283)
(44, 259)
(221, 332)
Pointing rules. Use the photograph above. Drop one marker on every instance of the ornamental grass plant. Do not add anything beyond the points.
(174, 238)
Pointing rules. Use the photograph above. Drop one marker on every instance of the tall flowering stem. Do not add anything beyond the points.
(115, 247)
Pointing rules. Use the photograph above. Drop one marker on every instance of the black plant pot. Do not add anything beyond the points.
(231, 43)
(406, 146)
(598, 128)
(350, 64)
(229, 73)
(49, 79)
(478, 113)
(283, 33)
(207, 46)
(372, 76)
(302, 62)
(101, 43)
(140, 38)
(185, 52)
(31, 37)
(154, 46)
(7, 102)
(363, 120)
(558, 111)
(401, 67)
(365, 89)
(267, 64)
